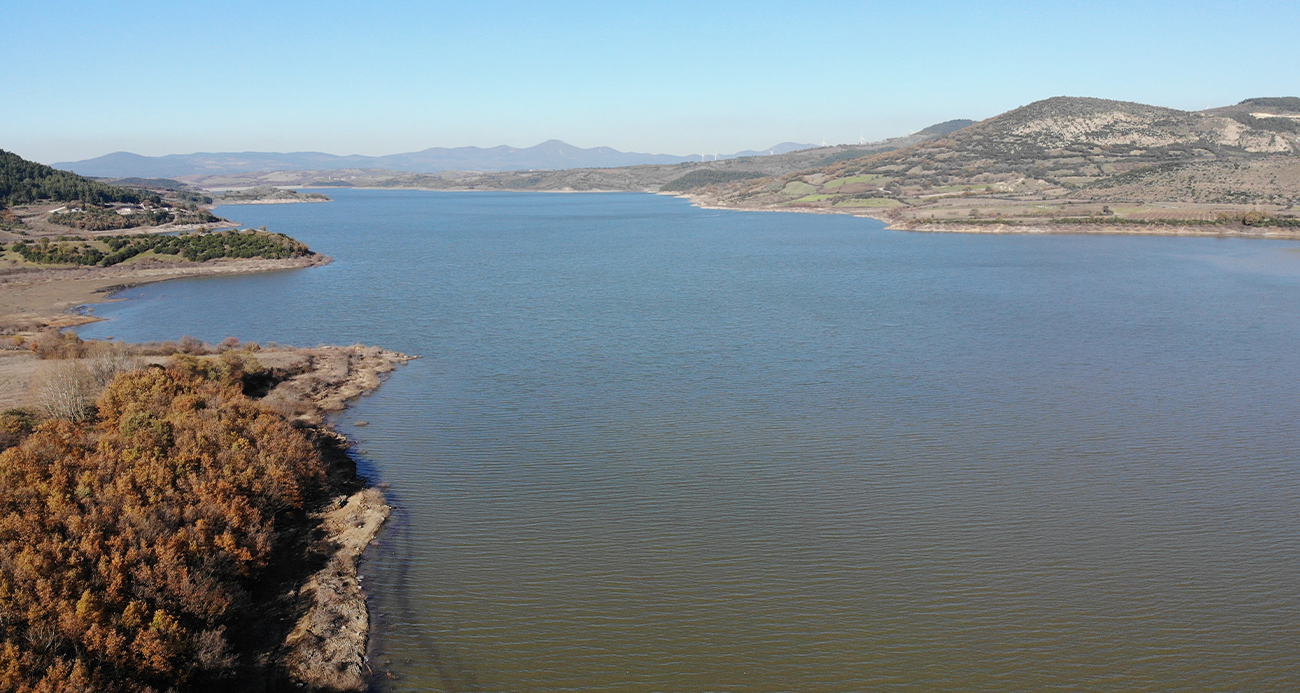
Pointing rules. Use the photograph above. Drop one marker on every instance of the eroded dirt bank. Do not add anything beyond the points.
(326, 649)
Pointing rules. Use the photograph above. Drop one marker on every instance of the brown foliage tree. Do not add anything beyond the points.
(127, 541)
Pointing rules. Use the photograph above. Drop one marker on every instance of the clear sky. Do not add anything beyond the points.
(81, 79)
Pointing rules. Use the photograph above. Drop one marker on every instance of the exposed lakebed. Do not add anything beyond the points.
(657, 448)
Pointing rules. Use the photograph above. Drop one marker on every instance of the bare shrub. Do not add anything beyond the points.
(212, 652)
(65, 390)
(52, 344)
(105, 361)
(285, 405)
(192, 346)
(186, 345)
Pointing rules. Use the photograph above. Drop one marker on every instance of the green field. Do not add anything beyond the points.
(798, 187)
(812, 198)
(871, 178)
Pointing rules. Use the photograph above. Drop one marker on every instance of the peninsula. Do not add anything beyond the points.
(66, 241)
(179, 514)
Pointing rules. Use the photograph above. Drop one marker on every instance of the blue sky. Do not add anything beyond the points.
(83, 79)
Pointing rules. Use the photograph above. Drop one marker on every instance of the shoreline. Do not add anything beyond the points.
(475, 190)
(327, 649)
(894, 224)
(35, 298)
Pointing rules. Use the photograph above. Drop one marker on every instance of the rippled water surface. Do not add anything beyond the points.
(653, 448)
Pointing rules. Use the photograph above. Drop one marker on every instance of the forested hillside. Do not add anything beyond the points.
(25, 182)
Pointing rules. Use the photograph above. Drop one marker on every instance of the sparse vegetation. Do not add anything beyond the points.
(107, 218)
(265, 193)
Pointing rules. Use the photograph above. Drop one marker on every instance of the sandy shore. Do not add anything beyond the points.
(33, 298)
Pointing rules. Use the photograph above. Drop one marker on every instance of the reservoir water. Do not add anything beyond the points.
(654, 448)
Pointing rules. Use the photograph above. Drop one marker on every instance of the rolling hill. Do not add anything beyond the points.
(1076, 149)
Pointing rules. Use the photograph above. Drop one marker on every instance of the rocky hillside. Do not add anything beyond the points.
(1068, 147)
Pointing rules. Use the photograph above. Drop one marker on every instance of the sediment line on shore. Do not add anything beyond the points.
(893, 223)
(326, 650)
(32, 298)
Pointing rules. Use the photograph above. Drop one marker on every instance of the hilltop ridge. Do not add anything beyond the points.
(549, 155)
(1064, 158)
(1063, 144)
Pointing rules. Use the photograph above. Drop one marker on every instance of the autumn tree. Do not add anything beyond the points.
(128, 541)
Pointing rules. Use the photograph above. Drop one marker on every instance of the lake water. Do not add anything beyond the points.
(654, 448)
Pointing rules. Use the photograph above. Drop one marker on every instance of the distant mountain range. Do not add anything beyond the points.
(549, 155)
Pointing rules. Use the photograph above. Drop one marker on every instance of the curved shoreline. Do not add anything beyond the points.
(327, 648)
(33, 298)
(894, 223)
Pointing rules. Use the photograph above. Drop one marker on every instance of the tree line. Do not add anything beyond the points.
(105, 219)
(195, 247)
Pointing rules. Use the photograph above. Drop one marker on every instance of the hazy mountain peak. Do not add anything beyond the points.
(552, 154)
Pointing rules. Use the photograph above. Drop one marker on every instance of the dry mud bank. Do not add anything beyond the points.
(32, 298)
